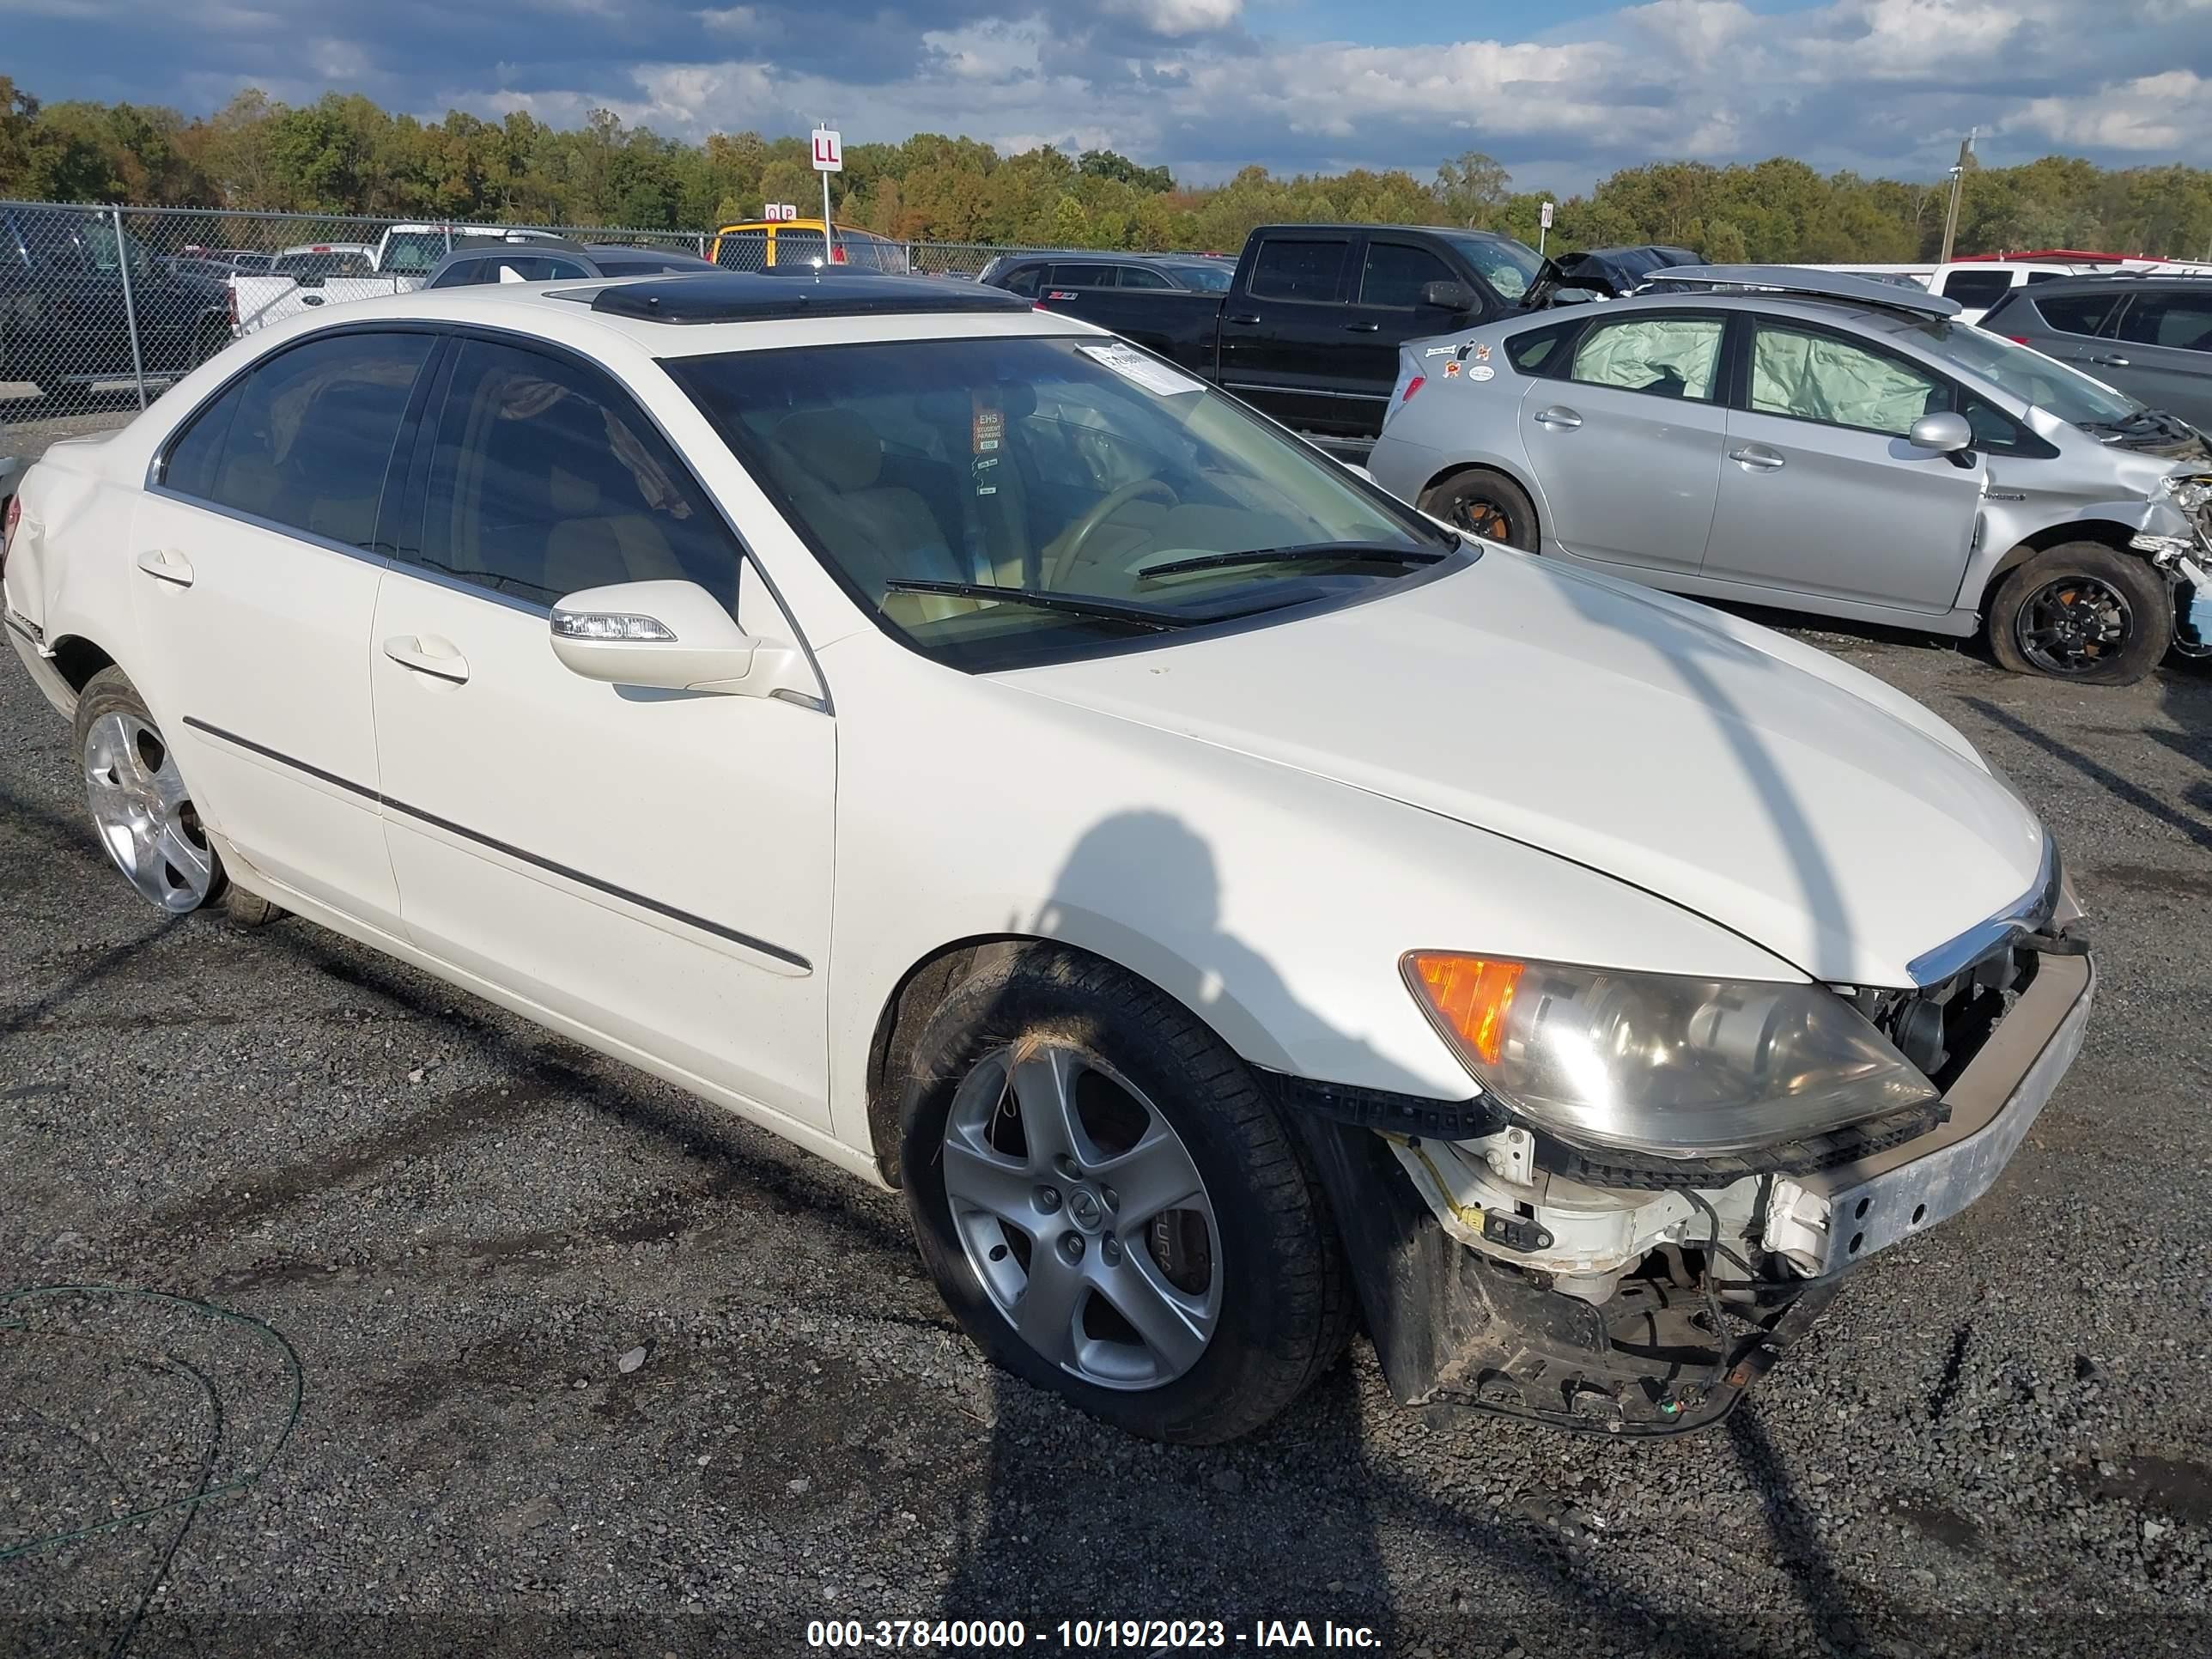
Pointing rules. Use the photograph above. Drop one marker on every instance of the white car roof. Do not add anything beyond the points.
(561, 311)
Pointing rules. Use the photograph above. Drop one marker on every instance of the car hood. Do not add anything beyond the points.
(1722, 767)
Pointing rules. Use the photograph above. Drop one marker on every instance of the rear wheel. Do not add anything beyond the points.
(2082, 612)
(141, 808)
(1486, 504)
(1112, 1207)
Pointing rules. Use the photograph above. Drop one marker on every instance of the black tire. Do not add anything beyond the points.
(244, 909)
(2112, 615)
(1285, 1303)
(110, 692)
(1487, 503)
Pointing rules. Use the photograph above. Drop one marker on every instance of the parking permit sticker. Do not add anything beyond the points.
(1132, 364)
(990, 425)
(1480, 372)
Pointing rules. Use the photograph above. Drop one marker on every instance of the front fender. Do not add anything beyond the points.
(1274, 904)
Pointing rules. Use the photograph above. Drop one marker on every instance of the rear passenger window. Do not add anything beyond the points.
(462, 273)
(1293, 268)
(544, 480)
(305, 440)
(2077, 313)
(1138, 276)
(1083, 275)
(1024, 281)
(1543, 351)
(1666, 356)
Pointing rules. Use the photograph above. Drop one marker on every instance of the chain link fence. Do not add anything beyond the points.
(101, 307)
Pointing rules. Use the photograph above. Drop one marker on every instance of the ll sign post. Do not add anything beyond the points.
(828, 158)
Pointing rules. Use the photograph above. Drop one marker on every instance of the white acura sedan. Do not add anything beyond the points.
(1227, 902)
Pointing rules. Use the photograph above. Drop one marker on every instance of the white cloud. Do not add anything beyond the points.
(2167, 111)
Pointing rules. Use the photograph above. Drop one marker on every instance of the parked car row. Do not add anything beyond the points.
(1376, 924)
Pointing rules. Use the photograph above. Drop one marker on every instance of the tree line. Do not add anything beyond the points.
(343, 155)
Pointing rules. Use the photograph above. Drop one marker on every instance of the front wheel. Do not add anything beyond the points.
(1111, 1206)
(1486, 504)
(2082, 612)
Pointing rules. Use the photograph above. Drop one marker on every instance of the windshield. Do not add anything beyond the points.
(1070, 469)
(1507, 265)
(2030, 376)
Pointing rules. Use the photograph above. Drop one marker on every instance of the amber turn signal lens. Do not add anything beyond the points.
(1473, 995)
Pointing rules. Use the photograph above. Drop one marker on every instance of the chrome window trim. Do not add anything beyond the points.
(2030, 913)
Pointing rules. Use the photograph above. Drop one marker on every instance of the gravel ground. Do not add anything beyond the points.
(587, 1368)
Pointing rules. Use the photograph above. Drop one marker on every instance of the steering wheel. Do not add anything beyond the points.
(1114, 501)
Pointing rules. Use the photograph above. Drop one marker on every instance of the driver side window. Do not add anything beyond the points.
(1813, 376)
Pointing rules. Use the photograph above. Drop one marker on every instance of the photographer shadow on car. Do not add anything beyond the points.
(1078, 1521)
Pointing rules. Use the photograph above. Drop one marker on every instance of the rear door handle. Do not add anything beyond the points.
(1242, 317)
(2110, 362)
(1559, 418)
(1362, 328)
(435, 657)
(168, 564)
(1757, 457)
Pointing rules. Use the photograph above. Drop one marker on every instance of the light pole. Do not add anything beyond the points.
(1958, 184)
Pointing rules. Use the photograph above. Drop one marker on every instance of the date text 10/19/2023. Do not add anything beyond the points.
(1124, 1635)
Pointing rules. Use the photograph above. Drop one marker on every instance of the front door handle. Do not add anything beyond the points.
(1559, 418)
(2110, 362)
(1362, 328)
(167, 564)
(435, 657)
(1756, 456)
(1242, 317)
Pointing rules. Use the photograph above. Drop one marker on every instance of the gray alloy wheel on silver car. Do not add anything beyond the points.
(1111, 1202)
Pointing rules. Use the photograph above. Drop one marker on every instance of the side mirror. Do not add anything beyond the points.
(1946, 434)
(1449, 297)
(674, 636)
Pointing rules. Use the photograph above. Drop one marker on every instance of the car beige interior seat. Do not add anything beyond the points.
(832, 461)
(589, 548)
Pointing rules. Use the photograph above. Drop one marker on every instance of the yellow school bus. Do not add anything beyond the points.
(763, 244)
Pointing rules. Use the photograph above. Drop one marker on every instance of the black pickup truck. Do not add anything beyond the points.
(1309, 328)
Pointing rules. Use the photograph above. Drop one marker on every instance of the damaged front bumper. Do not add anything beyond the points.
(1648, 1308)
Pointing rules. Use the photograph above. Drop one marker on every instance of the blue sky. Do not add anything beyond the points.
(1561, 92)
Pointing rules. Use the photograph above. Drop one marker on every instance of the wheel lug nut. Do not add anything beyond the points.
(1111, 1250)
(1071, 1246)
(1066, 1166)
(1109, 1198)
(1048, 1198)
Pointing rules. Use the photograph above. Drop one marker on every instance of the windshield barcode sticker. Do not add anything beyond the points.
(1132, 364)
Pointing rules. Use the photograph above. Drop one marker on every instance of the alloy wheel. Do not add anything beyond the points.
(144, 817)
(1083, 1216)
(2073, 625)
(1483, 518)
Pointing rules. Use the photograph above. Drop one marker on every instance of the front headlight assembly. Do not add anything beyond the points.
(1660, 1063)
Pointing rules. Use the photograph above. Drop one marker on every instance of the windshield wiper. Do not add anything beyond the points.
(1131, 616)
(1336, 552)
